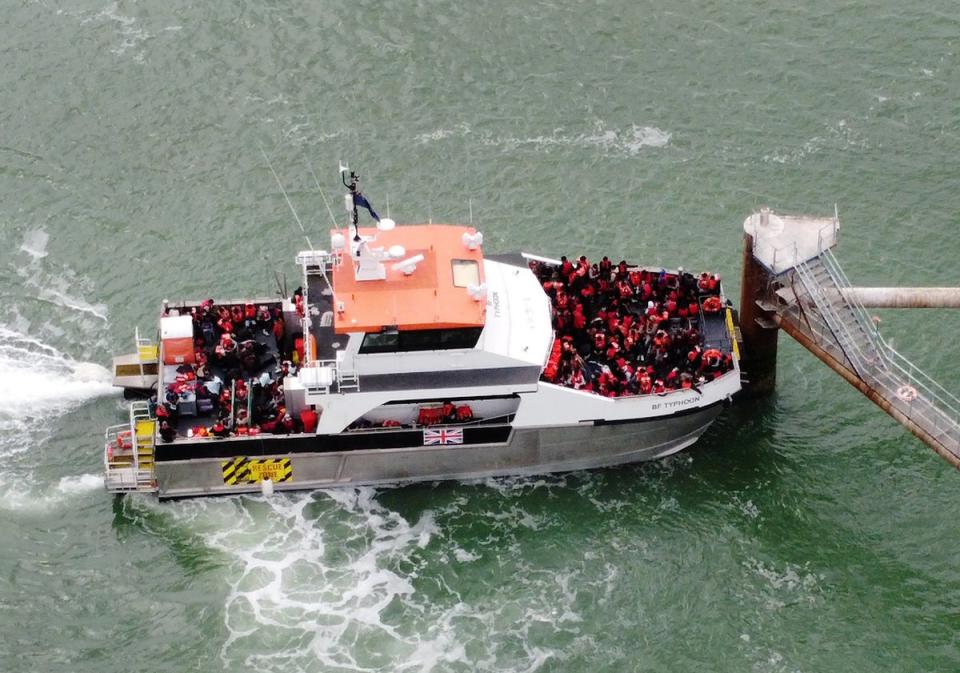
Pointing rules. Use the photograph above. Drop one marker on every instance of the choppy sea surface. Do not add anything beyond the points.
(805, 532)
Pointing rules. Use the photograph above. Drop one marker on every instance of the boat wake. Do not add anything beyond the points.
(40, 380)
(23, 497)
(40, 383)
(628, 141)
(337, 580)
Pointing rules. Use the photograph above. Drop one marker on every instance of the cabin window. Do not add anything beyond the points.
(392, 341)
(466, 272)
(381, 342)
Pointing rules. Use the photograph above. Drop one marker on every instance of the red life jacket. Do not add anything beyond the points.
(309, 419)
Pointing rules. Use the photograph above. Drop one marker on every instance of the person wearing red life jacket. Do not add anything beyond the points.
(600, 341)
(228, 343)
(646, 384)
(711, 359)
(673, 377)
(579, 319)
(308, 417)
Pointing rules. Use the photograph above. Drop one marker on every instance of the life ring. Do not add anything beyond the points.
(123, 440)
(907, 393)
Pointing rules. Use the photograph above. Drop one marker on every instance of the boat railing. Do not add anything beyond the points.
(147, 351)
(331, 376)
(129, 451)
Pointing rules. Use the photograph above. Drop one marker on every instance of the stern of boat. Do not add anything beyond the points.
(128, 453)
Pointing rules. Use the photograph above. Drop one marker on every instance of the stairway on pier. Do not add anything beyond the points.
(811, 299)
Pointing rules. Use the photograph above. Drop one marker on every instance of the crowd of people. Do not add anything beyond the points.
(623, 330)
(235, 377)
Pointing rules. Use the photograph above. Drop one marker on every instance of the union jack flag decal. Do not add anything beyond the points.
(444, 436)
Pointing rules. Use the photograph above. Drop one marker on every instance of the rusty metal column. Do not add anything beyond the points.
(759, 357)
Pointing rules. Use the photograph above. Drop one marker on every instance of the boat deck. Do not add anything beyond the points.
(319, 301)
(238, 388)
(625, 330)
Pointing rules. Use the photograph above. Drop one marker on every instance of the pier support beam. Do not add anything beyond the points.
(906, 297)
(757, 326)
(873, 395)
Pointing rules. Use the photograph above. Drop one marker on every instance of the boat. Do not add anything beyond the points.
(408, 354)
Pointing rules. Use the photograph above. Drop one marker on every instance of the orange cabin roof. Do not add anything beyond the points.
(426, 299)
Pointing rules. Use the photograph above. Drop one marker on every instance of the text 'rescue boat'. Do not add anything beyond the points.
(407, 354)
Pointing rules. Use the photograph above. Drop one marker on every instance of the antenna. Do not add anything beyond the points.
(284, 192)
(281, 287)
(322, 195)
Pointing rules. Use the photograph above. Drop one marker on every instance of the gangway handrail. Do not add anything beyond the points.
(836, 325)
(839, 277)
(888, 369)
(891, 356)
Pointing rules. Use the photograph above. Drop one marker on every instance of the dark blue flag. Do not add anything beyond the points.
(359, 200)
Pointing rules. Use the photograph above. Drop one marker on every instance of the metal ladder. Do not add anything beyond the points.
(841, 326)
(129, 452)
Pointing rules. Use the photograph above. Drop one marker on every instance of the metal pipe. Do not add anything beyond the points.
(906, 297)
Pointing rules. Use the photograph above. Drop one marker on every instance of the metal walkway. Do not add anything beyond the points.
(810, 302)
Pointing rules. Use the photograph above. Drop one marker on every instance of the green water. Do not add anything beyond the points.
(807, 532)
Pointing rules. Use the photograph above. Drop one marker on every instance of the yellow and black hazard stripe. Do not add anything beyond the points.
(235, 471)
(243, 470)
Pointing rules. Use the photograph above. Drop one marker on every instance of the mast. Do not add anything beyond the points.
(351, 204)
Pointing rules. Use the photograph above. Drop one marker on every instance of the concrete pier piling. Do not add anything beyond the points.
(792, 281)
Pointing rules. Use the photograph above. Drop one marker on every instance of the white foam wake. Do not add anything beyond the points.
(336, 580)
(22, 496)
(611, 141)
(55, 284)
(313, 581)
(39, 380)
(35, 243)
